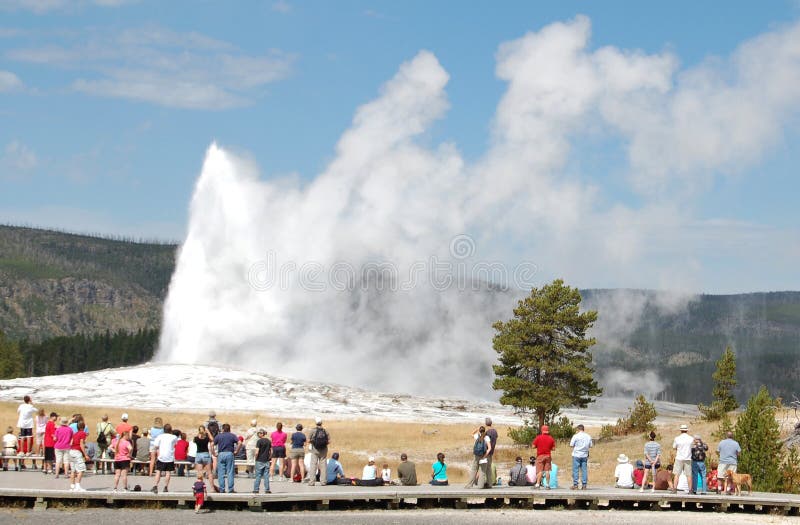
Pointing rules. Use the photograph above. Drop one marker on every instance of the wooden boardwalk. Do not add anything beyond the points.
(36, 490)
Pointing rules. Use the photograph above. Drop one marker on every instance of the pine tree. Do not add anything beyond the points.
(11, 363)
(545, 363)
(723, 400)
(758, 435)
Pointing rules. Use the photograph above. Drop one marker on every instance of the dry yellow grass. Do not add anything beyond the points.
(355, 440)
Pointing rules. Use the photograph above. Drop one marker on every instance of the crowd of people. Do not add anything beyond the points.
(64, 446)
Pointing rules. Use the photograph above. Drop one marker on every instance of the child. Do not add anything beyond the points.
(386, 474)
(199, 489)
(711, 480)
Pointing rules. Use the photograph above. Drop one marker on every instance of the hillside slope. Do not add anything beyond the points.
(54, 283)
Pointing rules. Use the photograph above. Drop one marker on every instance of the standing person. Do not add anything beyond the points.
(439, 474)
(134, 440)
(683, 455)
(104, 431)
(250, 439)
(478, 473)
(544, 444)
(156, 430)
(212, 425)
(581, 442)
(199, 490)
(278, 451)
(297, 453)
(122, 448)
(699, 450)
(123, 425)
(63, 442)
(202, 458)
(227, 445)
(492, 433)
(407, 471)
(728, 450)
(262, 459)
(50, 443)
(26, 412)
(652, 460)
(77, 458)
(40, 422)
(164, 447)
(318, 446)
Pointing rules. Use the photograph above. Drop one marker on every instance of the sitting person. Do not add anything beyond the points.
(530, 472)
(407, 471)
(663, 479)
(369, 475)
(623, 474)
(334, 470)
(439, 476)
(638, 474)
(711, 480)
(386, 474)
(516, 478)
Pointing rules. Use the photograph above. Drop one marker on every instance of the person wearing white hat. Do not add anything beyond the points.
(683, 455)
(123, 425)
(370, 471)
(623, 473)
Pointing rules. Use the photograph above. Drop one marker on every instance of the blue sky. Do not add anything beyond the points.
(107, 108)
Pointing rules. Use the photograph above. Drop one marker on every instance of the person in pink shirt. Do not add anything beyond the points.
(63, 441)
(122, 447)
(278, 439)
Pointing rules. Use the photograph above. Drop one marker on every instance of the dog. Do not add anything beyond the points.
(738, 480)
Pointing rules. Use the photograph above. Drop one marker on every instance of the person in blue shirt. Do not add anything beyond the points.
(227, 445)
(334, 470)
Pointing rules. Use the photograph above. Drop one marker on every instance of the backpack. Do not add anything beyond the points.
(320, 439)
(479, 449)
(101, 436)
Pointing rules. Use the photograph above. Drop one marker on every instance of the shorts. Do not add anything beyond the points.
(122, 465)
(62, 456)
(39, 438)
(279, 452)
(722, 470)
(199, 499)
(76, 461)
(168, 466)
(25, 432)
(543, 464)
(683, 465)
(49, 454)
(9, 452)
(297, 453)
(202, 458)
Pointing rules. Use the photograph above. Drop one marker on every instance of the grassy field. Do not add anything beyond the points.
(356, 440)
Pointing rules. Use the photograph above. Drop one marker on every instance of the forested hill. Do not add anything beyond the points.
(680, 340)
(54, 283)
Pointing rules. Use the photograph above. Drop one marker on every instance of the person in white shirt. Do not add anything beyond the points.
(370, 470)
(683, 455)
(581, 442)
(623, 473)
(9, 448)
(530, 471)
(26, 413)
(164, 446)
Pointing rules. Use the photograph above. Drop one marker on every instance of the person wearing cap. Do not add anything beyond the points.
(334, 470)
(370, 471)
(63, 442)
(683, 455)
(318, 441)
(638, 475)
(262, 457)
(581, 442)
(544, 444)
(699, 450)
(407, 471)
(623, 474)
(123, 426)
(491, 432)
(516, 477)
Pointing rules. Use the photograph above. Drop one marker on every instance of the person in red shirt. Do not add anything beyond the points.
(50, 444)
(181, 449)
(544, 444)
(77, 458)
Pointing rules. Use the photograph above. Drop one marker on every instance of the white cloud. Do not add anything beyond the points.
(9, 81)
(281, 6)
(156, 65)
(17, 161)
